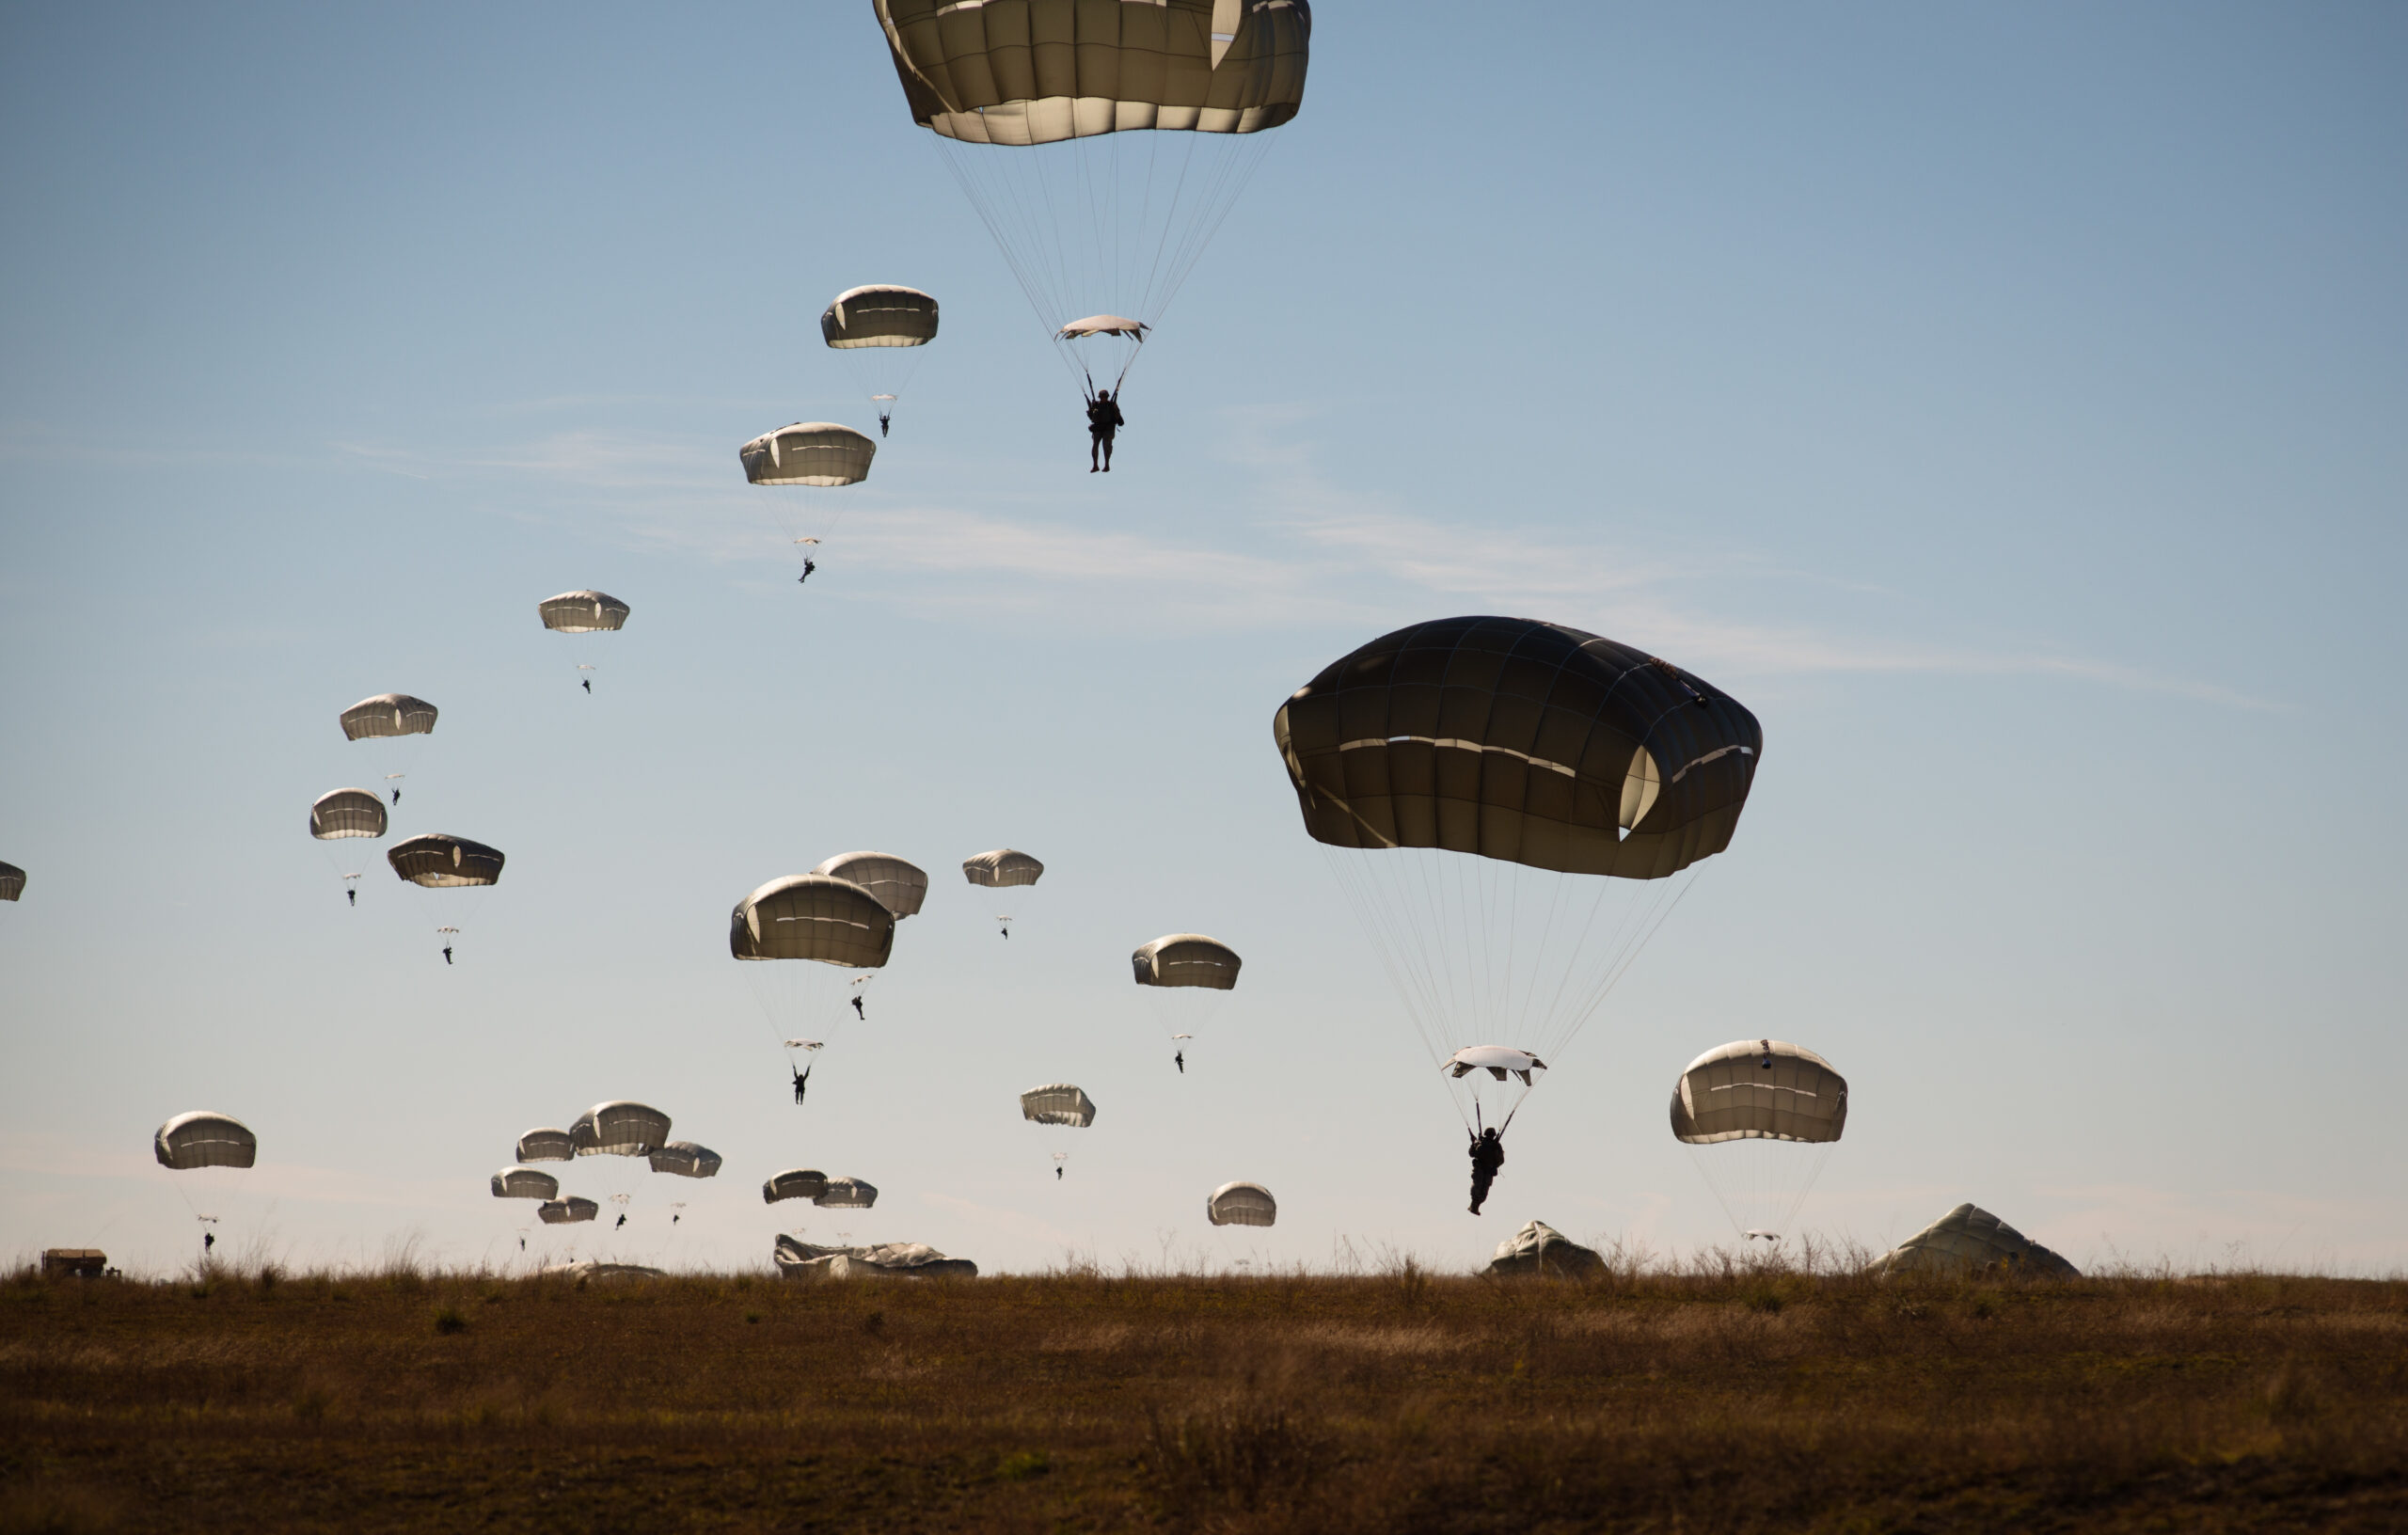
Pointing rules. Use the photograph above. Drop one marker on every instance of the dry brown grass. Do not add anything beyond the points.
(1404, 1402)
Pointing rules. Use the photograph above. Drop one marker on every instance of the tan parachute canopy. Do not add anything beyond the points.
(441, 861)
(846, 1194)
(582, 612)
(812, 916)
(1001, 868)
(809, 453)
(899, 886)
(525, 1184)
(1058, 1103)
(795, 1184)
(1106, 324)
(1242, 1204)
(347, 813)
(201, 1139)
(1038, 71)
(620, 1128)
(1187, 959)
(388, 714)
(1759, 1089)
(1518, 740)
(879, 315)
(562, 1212)
(12, 881)
(547, 1146)
(1971, 1239)
(686, 1159)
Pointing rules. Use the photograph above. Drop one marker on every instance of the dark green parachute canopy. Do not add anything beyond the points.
(347, 813)
(878, 315)
(388, 714)
(813, 916)
(1518, 740)
(12, 881)
(201, 1139)
(1187, 959)
(439, 860)
(582, 612)
(1038, 72)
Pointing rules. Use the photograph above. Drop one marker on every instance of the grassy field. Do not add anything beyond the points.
(1400, 1402)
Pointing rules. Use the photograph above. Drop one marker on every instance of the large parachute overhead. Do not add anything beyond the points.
(1522, 741)
(582, 612)
(388, 714)
(878, 315)
(813, 916)
(1242, 1204)
(1759, 1089)
(809, 453)
(347, 813)
(1001, 869)
(1187, 959)
(525, 1184)
(1971, 1240)
(1038, 71)
(685, 1159)
(899, 886)
(12, 881)
(619, 1128)
(202, 1139)
(1057, 1103)
(563, 1212)
(547, 1145)
(441, 862)
(846, 1194)
(795, 1184)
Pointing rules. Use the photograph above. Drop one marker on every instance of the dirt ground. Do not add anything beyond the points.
(1401, 1403)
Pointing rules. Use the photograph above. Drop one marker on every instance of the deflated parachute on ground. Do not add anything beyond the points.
(1970, 1239)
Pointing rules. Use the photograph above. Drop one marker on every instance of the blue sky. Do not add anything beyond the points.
(2007, 406)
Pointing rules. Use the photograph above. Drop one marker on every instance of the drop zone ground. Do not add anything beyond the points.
(1707, 1400)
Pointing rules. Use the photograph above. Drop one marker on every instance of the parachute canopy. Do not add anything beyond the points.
(1497, 1060)
(1759, 1089)
(562, 1212)
(619, 1128)
(582, 612)
(201, 1139)
(1038, 71)
(1001, 868)
(525, 1184)
(899, 886)
(1187, 959)
(795, 1184)
(1970, 1239)
(879, 315)
(441, 861)
(1106, 324)
(1242, 1204)
(686, 1159)
(845, 1193)
(388, 714)
(813, 916)
(347, 813)
(1529, 742)
(545, 1145)
(12, 881)
(1058, 1103)
(809, 453)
